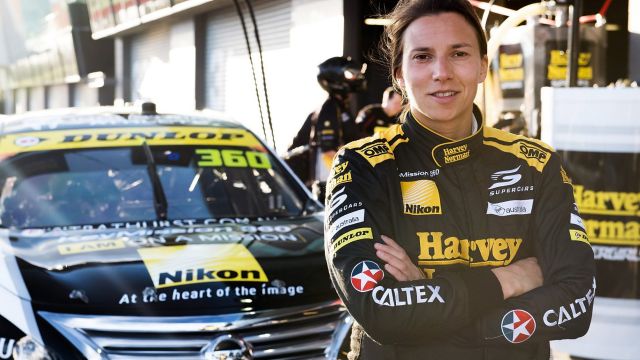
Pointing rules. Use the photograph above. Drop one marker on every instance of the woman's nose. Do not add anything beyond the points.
(441, 70)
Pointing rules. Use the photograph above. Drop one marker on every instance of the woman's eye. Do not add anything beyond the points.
(422, 56)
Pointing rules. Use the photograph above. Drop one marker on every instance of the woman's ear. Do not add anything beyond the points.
(484, 68)
(399, 79)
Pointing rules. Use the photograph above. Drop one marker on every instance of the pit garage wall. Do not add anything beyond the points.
(202, 62)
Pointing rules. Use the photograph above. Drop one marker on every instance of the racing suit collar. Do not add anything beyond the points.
(444, 150)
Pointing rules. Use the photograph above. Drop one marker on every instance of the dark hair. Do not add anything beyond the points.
(407, 11)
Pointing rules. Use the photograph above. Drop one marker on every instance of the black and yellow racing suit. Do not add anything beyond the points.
(458, 208)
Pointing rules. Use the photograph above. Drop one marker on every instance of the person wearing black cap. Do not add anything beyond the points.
(332, 125)
(377, 117)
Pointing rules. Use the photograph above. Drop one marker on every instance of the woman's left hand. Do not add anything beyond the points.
(398, 263)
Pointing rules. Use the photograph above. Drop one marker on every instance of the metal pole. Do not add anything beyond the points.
(574, 43)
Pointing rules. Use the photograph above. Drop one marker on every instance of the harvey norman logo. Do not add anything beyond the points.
(420, 197)
(436, 249)
(192, 264)
(456, 153)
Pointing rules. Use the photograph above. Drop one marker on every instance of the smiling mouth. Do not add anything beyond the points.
(442, 94)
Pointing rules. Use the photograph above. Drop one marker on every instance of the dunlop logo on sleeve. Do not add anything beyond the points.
(577, 235)
(420, 197)
(351, 236)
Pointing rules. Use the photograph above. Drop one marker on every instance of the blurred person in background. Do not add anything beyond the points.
(328, 128)
(377, 117)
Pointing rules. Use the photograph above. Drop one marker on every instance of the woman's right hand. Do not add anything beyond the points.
(520, 277)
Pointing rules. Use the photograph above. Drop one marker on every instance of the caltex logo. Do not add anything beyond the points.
(518, 326)
(366, 275)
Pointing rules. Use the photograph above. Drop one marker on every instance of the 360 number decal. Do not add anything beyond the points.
(233, 158)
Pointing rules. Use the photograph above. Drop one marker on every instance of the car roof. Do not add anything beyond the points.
(108, 116)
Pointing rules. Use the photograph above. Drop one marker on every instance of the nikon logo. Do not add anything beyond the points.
(420, 197)
(180, 265)
(189, 276)
(421, 210)
(533, 153)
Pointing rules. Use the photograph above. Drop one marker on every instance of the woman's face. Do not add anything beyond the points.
(441, 69)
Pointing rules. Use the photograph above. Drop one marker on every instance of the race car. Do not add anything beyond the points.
(135, 235)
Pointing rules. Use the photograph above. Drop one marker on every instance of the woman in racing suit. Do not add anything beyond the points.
(447, 239)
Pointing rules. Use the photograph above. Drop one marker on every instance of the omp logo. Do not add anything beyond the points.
(505, 178)
(533, 152)
(420, 197)
(91, 246)
(374, 150)
(438, 250)
(192, 264)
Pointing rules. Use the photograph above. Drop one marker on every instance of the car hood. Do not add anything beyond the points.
(175, 269)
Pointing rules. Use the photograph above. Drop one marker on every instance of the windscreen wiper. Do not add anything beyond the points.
(159, 197)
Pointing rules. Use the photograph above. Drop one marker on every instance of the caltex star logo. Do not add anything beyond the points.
(366, 275)
(518, 326)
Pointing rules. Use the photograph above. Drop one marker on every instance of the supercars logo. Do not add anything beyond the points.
(518, 326)
(336, 200)
(420, 197)
(366, 275)
(505, 178)
(192, 264)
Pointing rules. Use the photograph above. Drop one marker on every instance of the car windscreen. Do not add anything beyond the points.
(78, 186)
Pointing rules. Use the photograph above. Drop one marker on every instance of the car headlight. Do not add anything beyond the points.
(29, 349)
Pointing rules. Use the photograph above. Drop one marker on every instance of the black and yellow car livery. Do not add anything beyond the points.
(127, 235)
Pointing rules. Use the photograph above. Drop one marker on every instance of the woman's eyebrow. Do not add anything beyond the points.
(430, 49)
